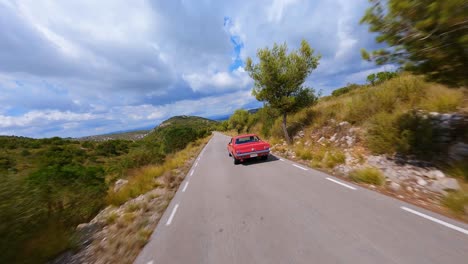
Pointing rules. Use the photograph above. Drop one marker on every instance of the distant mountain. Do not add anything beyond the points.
(253, 111)
(178, 131)
(127, 135)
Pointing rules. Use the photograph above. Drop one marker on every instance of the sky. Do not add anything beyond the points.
(86, 67)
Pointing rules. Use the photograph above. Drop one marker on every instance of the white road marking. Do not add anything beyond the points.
(191, 173)
(150, 262)
(196, 164)
(297, 166)
(454, 227)
(169, 221)
(282, 159)
(185, 187)
(342, 184)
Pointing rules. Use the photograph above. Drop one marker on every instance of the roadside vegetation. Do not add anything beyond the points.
(368, 175)
(49, 186)
(389, 118)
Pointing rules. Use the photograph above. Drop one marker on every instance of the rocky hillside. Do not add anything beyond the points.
(404, 137)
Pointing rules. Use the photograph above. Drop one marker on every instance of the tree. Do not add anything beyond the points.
(424, 36)
(239, 120)
(279, 78)
(380, 77)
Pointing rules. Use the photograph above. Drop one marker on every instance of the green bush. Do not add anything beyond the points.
(456, 201)
(333, 158)
(368, 175)
(6, 162)
(382, 133)
(344, 90)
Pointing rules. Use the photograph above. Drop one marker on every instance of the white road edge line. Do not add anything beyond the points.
(185, 187)
(340, 183)
(169, 221)
(191, 173)
(282, 159)
(150, 262)
(196, 164)
(454, 227)
(297, 166)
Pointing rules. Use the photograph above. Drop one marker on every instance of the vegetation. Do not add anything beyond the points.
(368, 175)
(279, 78)
(51, 185)
(456, 201)
(380, 77)
(344, 90)
(424, 36)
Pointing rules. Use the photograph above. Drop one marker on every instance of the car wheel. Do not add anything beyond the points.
(236, 161)
(264, 157)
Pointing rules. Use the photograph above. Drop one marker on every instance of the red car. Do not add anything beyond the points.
(247, 146)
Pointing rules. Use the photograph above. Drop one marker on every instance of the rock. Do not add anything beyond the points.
(119, 184)
(409, 189)
(392, 174)
(344, 123)
(395, 186)
(440, 186)
(421, 181)
(458, 151)
(321, 139)
(343, 169)
(349, 141)
(333, 138)
(301, 134)
(436, 174)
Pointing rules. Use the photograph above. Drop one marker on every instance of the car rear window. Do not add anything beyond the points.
(243, 140)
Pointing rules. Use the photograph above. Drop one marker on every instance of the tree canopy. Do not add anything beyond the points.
(279, 77)
(424, 36)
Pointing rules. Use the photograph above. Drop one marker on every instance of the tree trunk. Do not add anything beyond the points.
(285, 130)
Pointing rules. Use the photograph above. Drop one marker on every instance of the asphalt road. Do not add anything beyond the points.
(280, 212)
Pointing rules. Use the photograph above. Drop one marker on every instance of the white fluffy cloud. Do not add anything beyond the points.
(72, 68)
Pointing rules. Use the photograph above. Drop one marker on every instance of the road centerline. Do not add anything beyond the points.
(169, 221)
(342, 184)
(433, 219)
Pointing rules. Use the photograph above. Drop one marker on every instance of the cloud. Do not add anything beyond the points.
(73, 68)
(218, 81)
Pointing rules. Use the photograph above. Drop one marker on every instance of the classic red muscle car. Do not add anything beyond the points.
(247, 146)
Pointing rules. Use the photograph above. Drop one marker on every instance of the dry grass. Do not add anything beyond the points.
(145, 179)
(368, 175)
(456, 202)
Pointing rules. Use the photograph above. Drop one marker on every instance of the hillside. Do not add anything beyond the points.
(51, 185)
(405, 137)
(130, 135)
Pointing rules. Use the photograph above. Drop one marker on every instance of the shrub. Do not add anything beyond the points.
(440, 99)
(333, 158)
(456, 201)
(348, 88)
(368, 175)
(382, 133)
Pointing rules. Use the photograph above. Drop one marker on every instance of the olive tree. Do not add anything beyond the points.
(279, 78)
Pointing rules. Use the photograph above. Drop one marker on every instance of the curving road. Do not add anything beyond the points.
(280, 212)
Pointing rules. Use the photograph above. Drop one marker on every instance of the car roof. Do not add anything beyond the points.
(245, 135)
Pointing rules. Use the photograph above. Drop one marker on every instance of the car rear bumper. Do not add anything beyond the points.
(253, 154)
